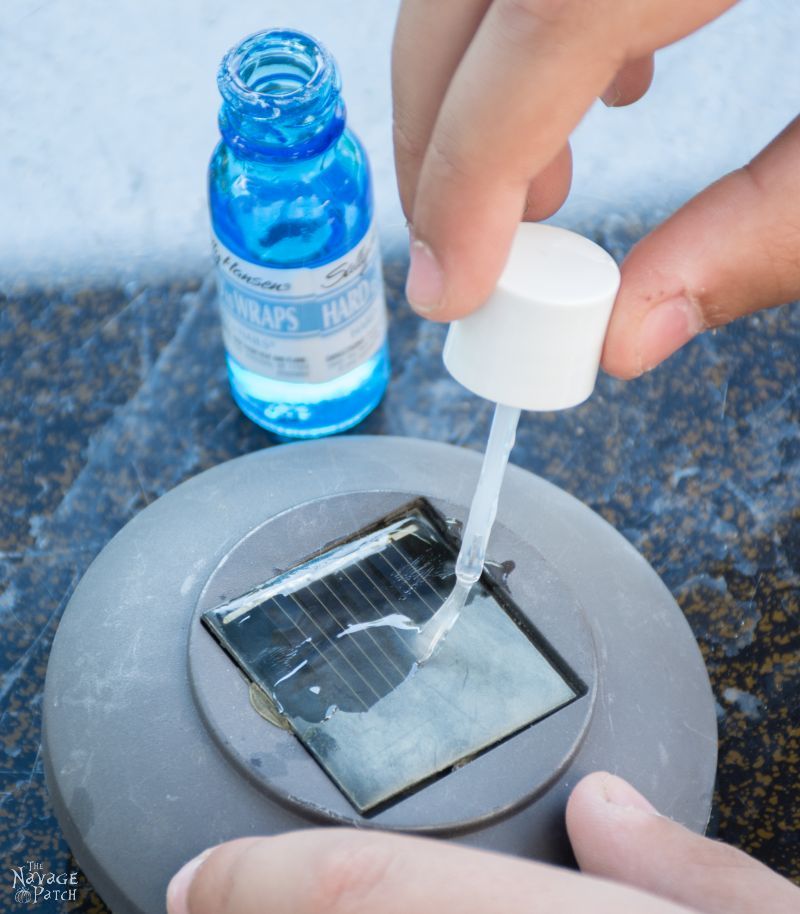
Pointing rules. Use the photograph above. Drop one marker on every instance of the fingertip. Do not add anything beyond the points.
(665, 329)
(179, 885)
(638, 340)
(619, 792)
(617, 834)
(456, 258)
(651, 276)
(202, 885)
(588, 791)
(620, 357)
(621, 370)
(425, 281)
(606, 819)
(548, 190)
(599, 791)
(630, 83)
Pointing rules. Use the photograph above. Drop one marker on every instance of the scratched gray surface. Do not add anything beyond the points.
(110, 398)
(113, 391)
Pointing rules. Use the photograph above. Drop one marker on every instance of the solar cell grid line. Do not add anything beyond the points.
(387, 572)
(398, 573)
(403, 578)
(420, 554)
(379, 581)
(446, 555)
(396, 578)
(368, 648)
(404, 644)
(417, 577)
(396, 663)
(336, 647)
(370, 582)
(321, 653)
(317, 648)
(366, 632)
(417, 550)
(338, 621)
(385, 583)
(367, 661)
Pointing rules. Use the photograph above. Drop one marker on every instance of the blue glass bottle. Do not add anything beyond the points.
(298, 265)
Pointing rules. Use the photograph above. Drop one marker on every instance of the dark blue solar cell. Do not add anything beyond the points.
(331, 642)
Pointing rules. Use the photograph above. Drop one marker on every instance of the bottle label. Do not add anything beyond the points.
(300, 324)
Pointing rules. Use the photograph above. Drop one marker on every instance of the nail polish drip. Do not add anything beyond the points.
(482, 513)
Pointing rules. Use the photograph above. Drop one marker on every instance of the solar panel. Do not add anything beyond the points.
(331, 642)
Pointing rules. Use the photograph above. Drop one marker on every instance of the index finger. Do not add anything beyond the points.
(429, 41)
(532, 70)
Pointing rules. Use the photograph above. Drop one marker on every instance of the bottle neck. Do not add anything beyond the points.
(281, 97)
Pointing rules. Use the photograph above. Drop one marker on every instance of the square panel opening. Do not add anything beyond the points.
(330, 642)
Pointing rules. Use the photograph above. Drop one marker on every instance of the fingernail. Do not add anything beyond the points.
(620, 793)
(178, 888)
(425, 283)
(670, 325)
(611, 96)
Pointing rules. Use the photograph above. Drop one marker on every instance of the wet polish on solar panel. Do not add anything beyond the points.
(330, 642)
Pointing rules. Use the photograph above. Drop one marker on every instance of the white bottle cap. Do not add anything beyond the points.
(536, 343)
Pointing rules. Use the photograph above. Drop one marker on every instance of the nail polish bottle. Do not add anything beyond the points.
(298, 263)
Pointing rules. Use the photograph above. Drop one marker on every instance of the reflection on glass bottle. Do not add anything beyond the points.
(298, 264)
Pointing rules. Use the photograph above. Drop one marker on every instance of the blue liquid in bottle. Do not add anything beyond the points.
(298, 264)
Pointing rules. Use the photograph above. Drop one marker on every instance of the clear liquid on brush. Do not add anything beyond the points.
(482, 513)
(298, 264)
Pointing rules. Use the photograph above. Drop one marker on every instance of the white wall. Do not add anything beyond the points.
(108, 116)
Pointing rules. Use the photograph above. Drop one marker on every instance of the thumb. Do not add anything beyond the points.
(617, 834)
(732, 250)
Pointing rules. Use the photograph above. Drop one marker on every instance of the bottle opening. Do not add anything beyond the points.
(277, 68)
(270, 73)
(280, 96)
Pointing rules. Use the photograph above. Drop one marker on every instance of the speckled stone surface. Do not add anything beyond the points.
(110, 398)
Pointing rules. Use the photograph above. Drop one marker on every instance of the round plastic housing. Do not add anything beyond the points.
(536, 343)
(153, 750)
